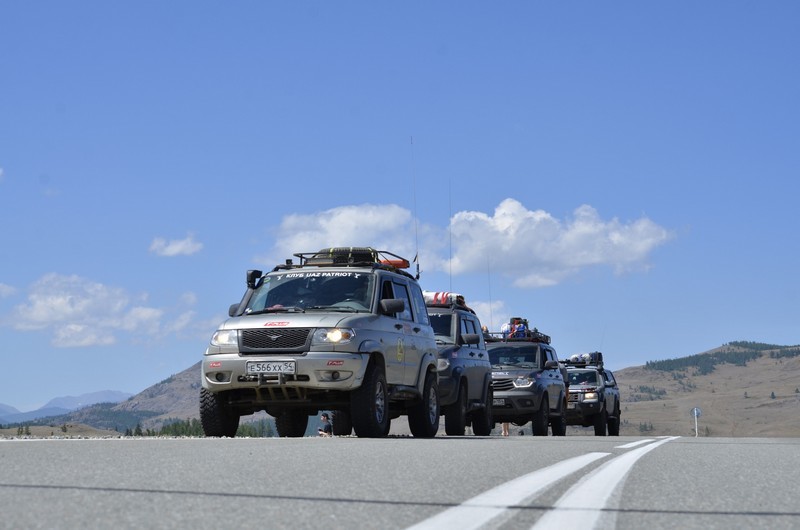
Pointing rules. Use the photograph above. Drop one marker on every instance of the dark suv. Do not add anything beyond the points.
(593, 394)
(465, 374)
(528, 382)
(345, 330)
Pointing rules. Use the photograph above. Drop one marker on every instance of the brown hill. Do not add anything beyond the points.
(177, 397)
(760, 398)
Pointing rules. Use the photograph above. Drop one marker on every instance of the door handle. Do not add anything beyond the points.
(416, 330)
(398, 326)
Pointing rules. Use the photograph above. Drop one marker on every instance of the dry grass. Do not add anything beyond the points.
(726, 409)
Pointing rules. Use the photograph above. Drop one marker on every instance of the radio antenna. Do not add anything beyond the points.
(414, 195)
(449, 229)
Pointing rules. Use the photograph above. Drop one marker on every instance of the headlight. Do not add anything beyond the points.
(590, 396)
(523, 382)
(333, 336)
(442, 365)
(225, 337)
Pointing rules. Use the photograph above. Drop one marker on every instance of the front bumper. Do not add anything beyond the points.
(313, 370)
(518, 405)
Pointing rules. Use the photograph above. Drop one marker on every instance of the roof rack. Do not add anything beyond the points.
(352, 257)
(582, 360)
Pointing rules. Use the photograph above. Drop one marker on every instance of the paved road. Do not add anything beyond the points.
(463, 483)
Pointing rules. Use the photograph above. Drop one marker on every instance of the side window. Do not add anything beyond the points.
(401, 292)
(609, 379)
(419, 305)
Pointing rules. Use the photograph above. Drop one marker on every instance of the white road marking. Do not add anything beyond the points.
(479, 510)
(634, 444)
(581, 506)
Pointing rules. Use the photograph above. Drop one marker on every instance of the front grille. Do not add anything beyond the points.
(502, 384)
(274, 340)
(573, 396)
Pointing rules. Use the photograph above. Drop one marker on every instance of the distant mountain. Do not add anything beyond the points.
(76, 402)
(60, 406)
(7, 410)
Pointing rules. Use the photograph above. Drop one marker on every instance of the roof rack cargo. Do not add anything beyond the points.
(581, 360)
(518, 330)
(445, 299)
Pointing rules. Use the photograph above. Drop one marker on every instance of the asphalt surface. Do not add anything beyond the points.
(445, 482)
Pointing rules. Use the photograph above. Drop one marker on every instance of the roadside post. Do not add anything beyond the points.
(696, 412)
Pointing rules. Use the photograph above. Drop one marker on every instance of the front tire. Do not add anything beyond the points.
(600, 421)
(423, 418)
(558, 425)
(291, 423)
(482, 421)
(216, 417)
(613, 425)
(369, 404)
(455, 416)
(541, 418)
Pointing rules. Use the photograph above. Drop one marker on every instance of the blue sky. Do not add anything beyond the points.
(624, 175)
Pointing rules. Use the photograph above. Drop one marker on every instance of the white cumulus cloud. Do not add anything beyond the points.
(383, 226)
(532, 247)
(79, 312)
(175, 247)
(539, 250)
(6, 290)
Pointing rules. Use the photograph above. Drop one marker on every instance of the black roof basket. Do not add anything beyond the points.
(353, 257)
(582, 360)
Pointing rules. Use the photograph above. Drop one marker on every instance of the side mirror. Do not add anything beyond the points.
(551, 365)
(391, 306)
(233, 309)
(252, 277)
(470, 338)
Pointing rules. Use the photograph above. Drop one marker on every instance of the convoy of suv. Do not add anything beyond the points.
(348, 330)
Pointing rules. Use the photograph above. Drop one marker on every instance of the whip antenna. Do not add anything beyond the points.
(414, 195)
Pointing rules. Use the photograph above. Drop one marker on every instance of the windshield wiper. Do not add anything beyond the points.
(342, 308)
(281, 309)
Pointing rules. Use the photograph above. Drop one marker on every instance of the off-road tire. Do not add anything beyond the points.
(342, 424)
(558, 425)
(291, 423)
(613, 424)
(216, 417)
(600, 423)
(423, 418)
(369, 404)
(455, 415)
(540, 418)
(482, 422)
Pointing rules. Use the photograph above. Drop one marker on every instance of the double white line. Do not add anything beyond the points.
(580, 507)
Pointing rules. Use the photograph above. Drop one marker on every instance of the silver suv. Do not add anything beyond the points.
(345, 329)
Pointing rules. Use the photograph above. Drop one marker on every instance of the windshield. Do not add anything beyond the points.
(293, 291)
(521, 356)
(443, 326)
(582, 377)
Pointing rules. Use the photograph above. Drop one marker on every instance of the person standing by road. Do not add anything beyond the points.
(326, 429)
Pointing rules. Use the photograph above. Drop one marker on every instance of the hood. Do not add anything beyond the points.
(311, 319)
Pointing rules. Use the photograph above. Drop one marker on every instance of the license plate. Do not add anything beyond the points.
(570, 405)
(498, 401)
(271, 367)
